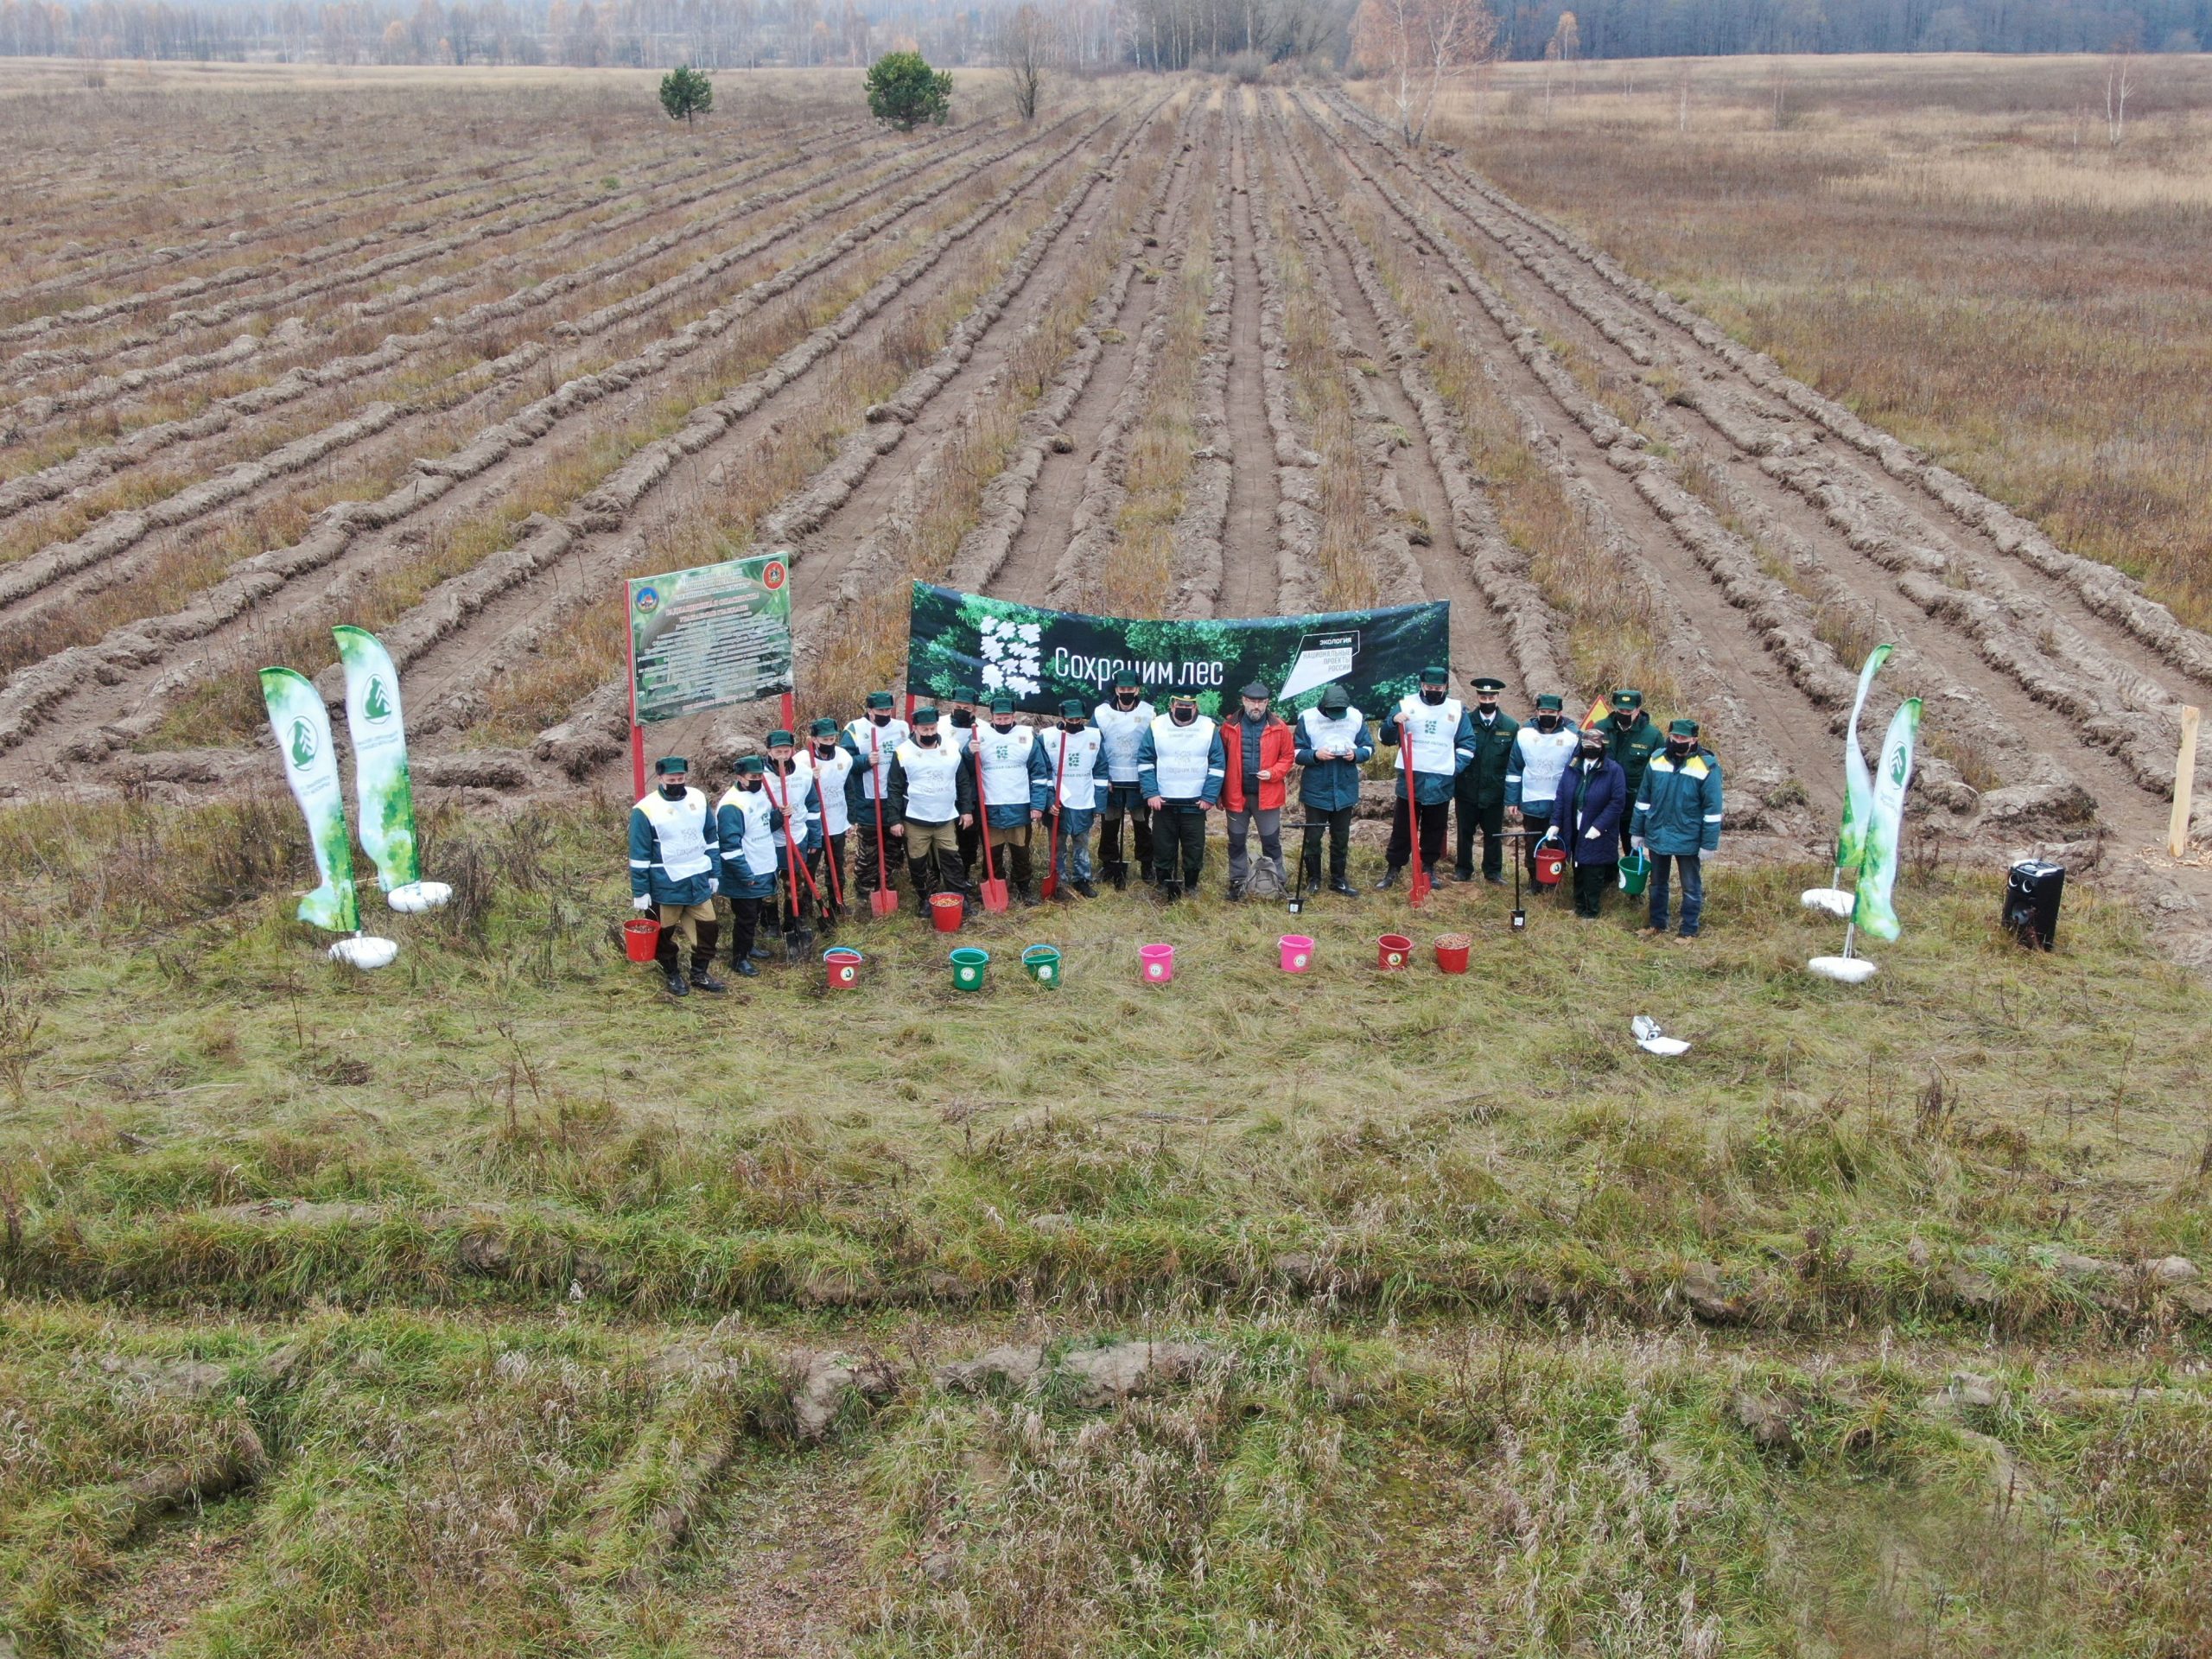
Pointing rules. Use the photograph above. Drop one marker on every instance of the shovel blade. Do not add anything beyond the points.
(1049, 884)
(883, 901)
(1417, 894)
(994, 899)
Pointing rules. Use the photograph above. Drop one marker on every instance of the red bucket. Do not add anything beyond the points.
(1550, 863)
(1392, 950)
(946, 910)
(1452, 953)
(842, 964)
(641, 937)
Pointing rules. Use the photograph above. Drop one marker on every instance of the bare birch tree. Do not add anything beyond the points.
(1411, 44)
(1026, 45)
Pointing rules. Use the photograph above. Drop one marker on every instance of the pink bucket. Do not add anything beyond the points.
(1159, 962)
(1297, 952)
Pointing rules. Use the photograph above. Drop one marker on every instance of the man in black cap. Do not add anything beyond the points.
(1079, 775)
(674, 852)
(1480, 793)
(872, 739)
(1332, 744)
(1443, 744)
(788, 781)
(1632, 737)
(833, 766)
(933, 791)
(1122, 719)
(750, 827)
(1258, 751)
(1543, 750)
(1005, 749)
(1180, 767)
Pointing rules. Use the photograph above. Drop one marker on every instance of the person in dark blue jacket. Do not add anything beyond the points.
(675, 867)
(750, 827)
(1332, 742)
(1678, 822)
(1592, 800)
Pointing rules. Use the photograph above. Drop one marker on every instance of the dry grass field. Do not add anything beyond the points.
(494, 1305)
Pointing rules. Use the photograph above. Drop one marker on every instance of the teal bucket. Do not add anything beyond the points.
(1636, 870)
(1042, 963)
(969, 965)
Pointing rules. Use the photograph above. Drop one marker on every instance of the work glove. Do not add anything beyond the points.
(1590, 834)
(643, 901)
(715, 885)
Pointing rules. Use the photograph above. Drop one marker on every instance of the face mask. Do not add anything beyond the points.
(1625, 718)
(927, 740)
(823, 751)
(1073, 727)
(1432, 694)
(1678, 747)
(1183, 716)
(750, 785)
(672, 791)
(1003, 725)
(1487, 706)
(962, 718)
(1125, 699)
(1590, 760)
(784, 765)
(881, 718)
(1547, 722)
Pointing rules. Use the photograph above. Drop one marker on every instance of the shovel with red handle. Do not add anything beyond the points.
(995, 897)
(1050, 884)
(1417, 891)
(883, 901)
(797, 863)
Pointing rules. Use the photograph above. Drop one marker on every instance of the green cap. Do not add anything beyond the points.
(1125, 678)
(1435, 676)
(784, 740)
(879, 699)
(1628, 697)
(1072, 708)
(749, 765)
(1335, 700)
(1681, 728)
(966, 694)
(926, 716)
(669, 763)
(824, 727)
(1550, 702)
(1002, 705)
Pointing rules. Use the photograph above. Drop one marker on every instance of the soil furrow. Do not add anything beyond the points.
(1248, 569)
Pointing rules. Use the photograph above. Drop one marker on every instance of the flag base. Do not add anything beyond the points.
(1845, 970)
(365, 952)
(1833, 901)
(416, 897)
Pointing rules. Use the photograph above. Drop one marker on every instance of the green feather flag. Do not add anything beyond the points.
(1878, 869)
(302, 729)
(1858, 783)
(381, 784)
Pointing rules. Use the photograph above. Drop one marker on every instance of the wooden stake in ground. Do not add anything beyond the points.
(2185, 779)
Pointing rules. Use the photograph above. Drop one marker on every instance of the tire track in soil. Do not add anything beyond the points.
(1048, 524)
(1248, 555)
(1478, 641)
(597, 559)
(1786, 737)
(76, 733)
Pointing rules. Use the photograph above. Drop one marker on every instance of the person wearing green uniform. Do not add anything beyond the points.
(674, 857)
(1677, 821)
(1479, 792)
(1632, 737)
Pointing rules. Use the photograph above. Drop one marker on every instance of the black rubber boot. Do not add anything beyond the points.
(671, 971)
(919, 873)
(702, 959)
(1337, 884)
(1118, 872)
(1390, 878)
(1025, 873)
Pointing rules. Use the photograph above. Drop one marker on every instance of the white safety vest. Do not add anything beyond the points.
(1541, 759)
(932, 782)
(830, 773)
(887, 739)
(1006, 764)
(1079, 790)
(1435, 729)
(789, 794)
(757, 845)
(1120, 733)
(681, 827)
(1179, 755)
(1333, 732)
(959, 737)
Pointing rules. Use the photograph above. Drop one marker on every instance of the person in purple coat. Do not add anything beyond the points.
(1592, 799)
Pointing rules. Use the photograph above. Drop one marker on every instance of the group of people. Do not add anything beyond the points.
(938, 788)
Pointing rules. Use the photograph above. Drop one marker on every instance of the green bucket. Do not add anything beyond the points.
(1043, 964)
(968, 965)
(1636, 870)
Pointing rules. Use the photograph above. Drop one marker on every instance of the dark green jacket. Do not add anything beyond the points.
(1483, 784)
(1634, 747)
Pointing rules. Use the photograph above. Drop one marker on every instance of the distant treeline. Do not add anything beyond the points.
(1234, 35)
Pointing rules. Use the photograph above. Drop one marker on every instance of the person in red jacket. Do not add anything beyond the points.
(1258, 750)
